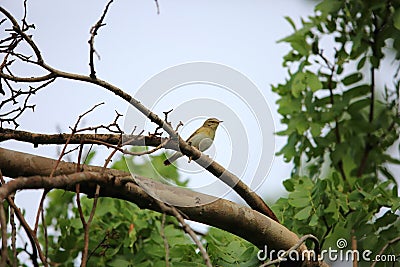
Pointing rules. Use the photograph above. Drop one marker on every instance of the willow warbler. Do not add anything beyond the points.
(201, 139)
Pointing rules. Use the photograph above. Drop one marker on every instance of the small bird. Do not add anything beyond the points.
(201, 139)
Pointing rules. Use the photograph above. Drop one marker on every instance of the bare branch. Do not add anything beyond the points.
(3, 225)
(174, 211)
(391, 242)
(38, 79)
(13, 235)
(60, 139)
(157, 7)
(85, 253)
(29, 232)
(126, 151)
(93, 33)
(166, 245)
(22, 33)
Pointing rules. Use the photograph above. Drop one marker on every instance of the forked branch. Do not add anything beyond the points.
(213, 167)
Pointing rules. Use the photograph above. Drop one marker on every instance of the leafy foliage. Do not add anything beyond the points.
(340, 124)
(122, 234)
(229, 250)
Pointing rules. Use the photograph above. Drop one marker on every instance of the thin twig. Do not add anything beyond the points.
(126, 151)
(86, 225)
(40, 210)
(174, 211)
(85, 252)
(354, 247)
(368, 146)
(101, 243)
(331, 68)
(166, 245)
(157, 7)
(36, 249)
(13, 227)
(46, 238)
(73, 131)
(78, 203)
(391, 242)
(3, 225)
(93, 33)
(13, 235)
(26, 37)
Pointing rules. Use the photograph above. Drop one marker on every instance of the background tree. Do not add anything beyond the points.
(108, 231)
(343, 125)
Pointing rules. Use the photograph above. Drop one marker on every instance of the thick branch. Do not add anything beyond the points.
(234, 218)
(224, 214)
(60, 139)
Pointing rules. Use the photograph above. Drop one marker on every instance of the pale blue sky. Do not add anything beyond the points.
(137, 44)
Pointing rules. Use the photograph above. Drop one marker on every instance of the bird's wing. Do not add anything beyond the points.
(191, 136)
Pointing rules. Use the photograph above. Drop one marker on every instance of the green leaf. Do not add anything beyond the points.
(299, 123)
(303, 214)
(302, 47)
(288, 184)
(248, 254)
(288, 105)
(299, 202)
(352, 78)
(387, 219)
(361, 63)
(314, 220)
(76, 223)
(329, 6)
(288, 19)
(316, 128)
(313, 82)
(357, 91)
(118, 262)
(289, 151)
(332, 207)
(339, 152)
(298, 84)
(356, 107)
(396, 19)
(89, 157)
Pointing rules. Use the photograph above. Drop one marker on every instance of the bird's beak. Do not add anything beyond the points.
(220, 121)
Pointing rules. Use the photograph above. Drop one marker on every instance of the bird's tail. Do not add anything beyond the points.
(171, 159)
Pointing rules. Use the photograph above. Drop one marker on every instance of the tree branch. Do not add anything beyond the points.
(239, 220)
(3, 226)
(93, 33)
(60, 139)
(172, 210)
(251, 198)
